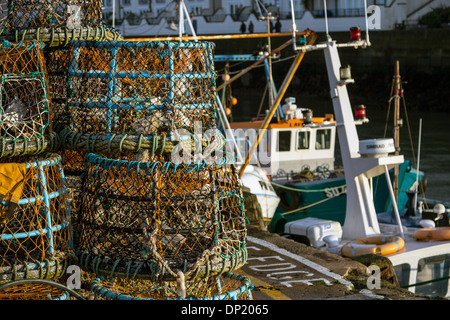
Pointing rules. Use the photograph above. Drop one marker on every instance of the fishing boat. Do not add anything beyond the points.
(416, 244)
(302, 170)
(297, 151)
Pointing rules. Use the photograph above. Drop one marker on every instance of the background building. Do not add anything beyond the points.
(155, 17)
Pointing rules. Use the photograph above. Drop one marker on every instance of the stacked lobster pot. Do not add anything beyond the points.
(153, 207)
(35, 220)
(53, 22)
(159, 204)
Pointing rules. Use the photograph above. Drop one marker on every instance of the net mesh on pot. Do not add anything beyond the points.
(35, 222)
(54, 22)
(152, 219)
(25, 118)
(227, 286)
(126, 96)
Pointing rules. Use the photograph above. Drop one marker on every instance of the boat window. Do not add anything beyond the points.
(284, 141)
(402, 271)
(323, 139)
(434, 271)
(303, 140)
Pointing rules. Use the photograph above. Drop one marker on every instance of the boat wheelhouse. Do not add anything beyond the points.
(293, 145)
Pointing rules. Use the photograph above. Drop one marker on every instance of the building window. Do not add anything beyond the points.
(323, 139)
(303, 140)
(284, 141)
(143, 2)
(126, 2)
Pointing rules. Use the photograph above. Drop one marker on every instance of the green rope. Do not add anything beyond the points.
(297, 189)
(426, 282)
(114, 267)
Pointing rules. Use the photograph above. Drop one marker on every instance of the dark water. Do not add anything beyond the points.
(435, 146)
(435, 140)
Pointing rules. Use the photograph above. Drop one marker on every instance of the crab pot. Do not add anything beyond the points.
(227, 286)
(140, 89)
(35, 226)
(151, 220)
(54, 22)
(31, 290)
(72, 161)
(57, 63)
(24, 101)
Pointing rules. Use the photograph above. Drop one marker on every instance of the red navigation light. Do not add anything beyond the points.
(360, 112)
(355, 33)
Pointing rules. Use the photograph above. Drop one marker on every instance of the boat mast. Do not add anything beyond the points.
(359, 167)
(287, 80)
(269, 48)
(398, 89)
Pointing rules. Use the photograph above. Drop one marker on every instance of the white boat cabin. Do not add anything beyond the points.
(290, 145)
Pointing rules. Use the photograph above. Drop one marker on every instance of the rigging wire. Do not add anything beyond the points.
(254, 67)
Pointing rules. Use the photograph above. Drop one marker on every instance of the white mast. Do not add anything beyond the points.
(359, 165)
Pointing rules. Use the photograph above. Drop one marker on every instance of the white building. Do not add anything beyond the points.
(152, 17)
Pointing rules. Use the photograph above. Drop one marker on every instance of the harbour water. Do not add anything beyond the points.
(434, 151)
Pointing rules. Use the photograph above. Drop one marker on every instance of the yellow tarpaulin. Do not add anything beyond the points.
(12, 178)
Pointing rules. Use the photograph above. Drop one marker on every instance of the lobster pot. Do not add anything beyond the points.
(35, 223)
(30, 290)
(144, 90)
(151, 220)
(227, 286)
(57, 64)
(54, 22)
(24, 101)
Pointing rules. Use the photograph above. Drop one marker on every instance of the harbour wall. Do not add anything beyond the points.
(423, 54)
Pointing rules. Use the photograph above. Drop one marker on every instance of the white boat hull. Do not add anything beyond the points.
(269, 204)
(258, 183)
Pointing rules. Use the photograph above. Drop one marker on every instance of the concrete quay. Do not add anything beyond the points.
(283, 269)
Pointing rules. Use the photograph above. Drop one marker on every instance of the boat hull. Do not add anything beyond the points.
(259, 185)
(326, 199)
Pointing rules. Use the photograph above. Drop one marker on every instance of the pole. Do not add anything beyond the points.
(418, 165)
(180, 20)
(294, 26)
(220, 37)
(394, 202)
(269, 46)
(326, 19)
(189, 20)
(240, 74)
(227, 127)
(286, 82)
(396, 126)
(367, 24)
(114, 14)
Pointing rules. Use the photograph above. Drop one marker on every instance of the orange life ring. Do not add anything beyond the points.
(381, 245)
(442, 233)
